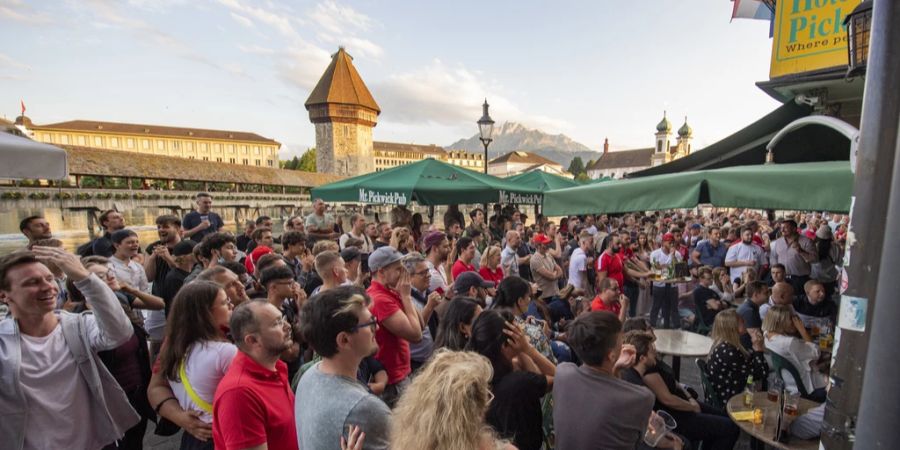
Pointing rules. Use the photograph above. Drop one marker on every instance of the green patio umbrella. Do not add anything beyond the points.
(427, 182)
(541, 180)
(817, 186)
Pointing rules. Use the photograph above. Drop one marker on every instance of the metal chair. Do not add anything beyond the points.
(780, 363)
(708, 392)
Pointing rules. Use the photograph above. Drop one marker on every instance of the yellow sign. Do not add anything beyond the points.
(809, 35)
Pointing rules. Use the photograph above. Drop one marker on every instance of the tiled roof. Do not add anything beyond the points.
(154, 130)
(522, 157)
(398, 147)
(117, 163)
(625, 158)
(342, 84)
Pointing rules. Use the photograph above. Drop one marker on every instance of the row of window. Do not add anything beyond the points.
(244, 161)
(129, 143)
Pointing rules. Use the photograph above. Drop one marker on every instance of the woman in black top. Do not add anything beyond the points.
(729, 362)
(521, 378)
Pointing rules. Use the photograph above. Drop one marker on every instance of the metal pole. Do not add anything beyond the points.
(877, 425)
(861, 381)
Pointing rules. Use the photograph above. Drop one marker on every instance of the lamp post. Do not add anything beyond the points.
(859, 25)
(485, 130)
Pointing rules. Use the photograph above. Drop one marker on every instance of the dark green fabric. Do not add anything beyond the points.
(541, 180)
(427, 182)
(818, 186)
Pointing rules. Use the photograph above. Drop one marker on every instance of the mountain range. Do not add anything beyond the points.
(512, 136)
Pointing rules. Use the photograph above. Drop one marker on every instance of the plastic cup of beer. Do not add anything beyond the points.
(792, 404)
(661, 423)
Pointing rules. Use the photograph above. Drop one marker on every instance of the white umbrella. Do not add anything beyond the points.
(24, 158)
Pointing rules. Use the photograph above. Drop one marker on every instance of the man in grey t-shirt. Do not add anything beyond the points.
(329, 398)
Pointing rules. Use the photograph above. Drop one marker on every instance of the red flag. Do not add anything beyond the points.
(22, 102)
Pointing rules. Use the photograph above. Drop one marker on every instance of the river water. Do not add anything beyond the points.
(71, 226)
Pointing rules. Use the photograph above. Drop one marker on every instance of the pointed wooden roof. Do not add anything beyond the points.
(342, 84)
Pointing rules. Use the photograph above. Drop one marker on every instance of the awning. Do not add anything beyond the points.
(23, 158)
(748, 146)
(818, 186)
(427, 182)
(543, 181)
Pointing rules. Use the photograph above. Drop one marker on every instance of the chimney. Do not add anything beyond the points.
(605, 145)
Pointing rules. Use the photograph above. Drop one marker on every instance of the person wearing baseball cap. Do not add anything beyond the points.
(398, 320)
(353, 260)
(665, 296)
(470, 284)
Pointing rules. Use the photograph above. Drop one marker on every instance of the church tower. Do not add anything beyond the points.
(685, 135)
(663, 137)
(344, 113)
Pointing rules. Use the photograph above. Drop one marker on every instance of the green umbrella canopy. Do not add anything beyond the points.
(427, 182)
(818, 186)
(815, 186)
(541, 180)
(671, 191)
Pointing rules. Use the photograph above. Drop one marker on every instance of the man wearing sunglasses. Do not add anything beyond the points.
(329, 396)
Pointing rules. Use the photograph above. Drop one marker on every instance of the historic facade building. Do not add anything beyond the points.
(517, 162)
(235, 147)
(619, 164)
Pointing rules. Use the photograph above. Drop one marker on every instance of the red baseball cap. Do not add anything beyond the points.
(668, 237)
(542, 238)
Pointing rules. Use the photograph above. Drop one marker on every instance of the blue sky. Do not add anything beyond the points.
(588, 69)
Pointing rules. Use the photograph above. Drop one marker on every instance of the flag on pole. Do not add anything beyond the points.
(22, 102)
(752, 9)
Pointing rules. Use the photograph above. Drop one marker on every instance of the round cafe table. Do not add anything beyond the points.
(678, 343)
(766, 431)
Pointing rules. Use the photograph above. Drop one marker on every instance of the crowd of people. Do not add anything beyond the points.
(480, 332)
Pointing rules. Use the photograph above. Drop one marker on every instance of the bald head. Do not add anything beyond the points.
(512, 238)
(783, 293)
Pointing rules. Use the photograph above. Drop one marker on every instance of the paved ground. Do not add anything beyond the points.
(689, 375)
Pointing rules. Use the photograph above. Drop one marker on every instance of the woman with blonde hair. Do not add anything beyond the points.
(729, 362)
(445, 405)
(779, 326)
(490, 268)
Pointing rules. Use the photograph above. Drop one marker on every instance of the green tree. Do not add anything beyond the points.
(583, 176)
(307, 162)
(576, 167)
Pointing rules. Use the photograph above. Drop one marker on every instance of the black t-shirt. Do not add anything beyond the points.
(524, 269)
(701, 295)
(367, 369)
(516, 410)
(193, 218)
(171, 285)
(825, 308)
(378, 244)
(242, 241)
(162, 269)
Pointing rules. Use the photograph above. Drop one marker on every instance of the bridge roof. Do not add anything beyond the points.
(117, 163)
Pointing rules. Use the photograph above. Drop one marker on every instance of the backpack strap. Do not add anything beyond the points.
(203, 404)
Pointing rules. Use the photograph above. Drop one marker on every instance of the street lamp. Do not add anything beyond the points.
(859, 25)
(485, 130)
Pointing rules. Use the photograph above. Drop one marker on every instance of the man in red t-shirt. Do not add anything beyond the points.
(610, 298)
(398, 319)
(254, 403)
(609, 265)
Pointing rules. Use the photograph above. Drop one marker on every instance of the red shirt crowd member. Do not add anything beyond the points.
(254, 403)
(610, 298)
(609, 265)
(466, 250)
(398, 319)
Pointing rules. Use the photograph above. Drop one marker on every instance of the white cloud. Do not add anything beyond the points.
(242, 20)
(269, 17)
(302, 64)
(339, 19)
(18, 11)
(256, 50)
(7, 62)
(438, 94)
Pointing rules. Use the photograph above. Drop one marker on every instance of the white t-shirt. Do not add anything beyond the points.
(660, 257)
(509, 262)
(743, 252)
(131, 273)
(438, 278)
(366, 245)
(207, 363)
(577, 268)
(800, 354)
(56, 395)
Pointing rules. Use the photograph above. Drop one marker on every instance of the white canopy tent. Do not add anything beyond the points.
(23, 158)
